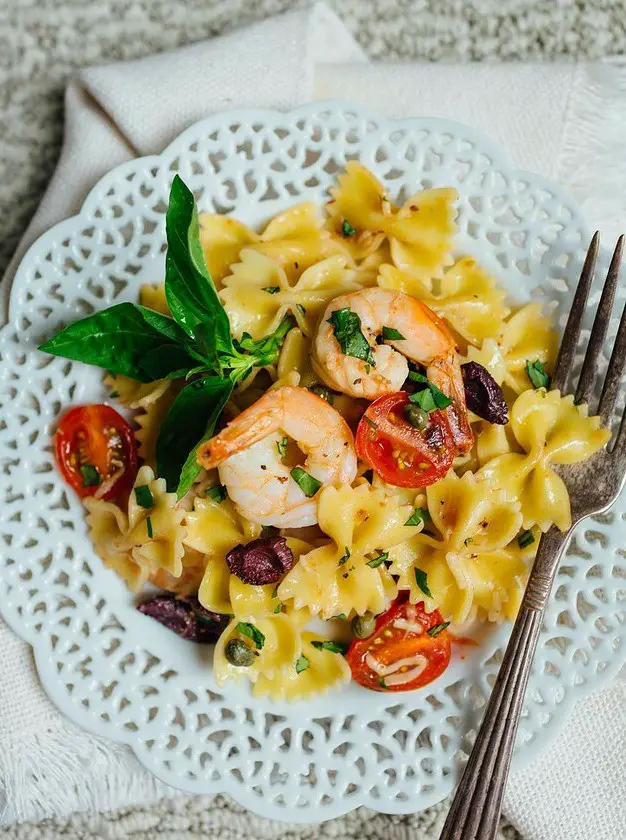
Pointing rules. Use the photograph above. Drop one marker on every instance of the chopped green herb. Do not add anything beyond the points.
(252, 632)
(537, 374)
(114, 394)
(333, 647)
(431, 397)
(281, 445)
(345, 557)
(424, 399)
(347, 329)
(381, 682)
(419, 515)
(391, 334)
(302, 664)
(439, 628)
(144, 496)
(347, 230)
(306, 482)
(468, 541)
(525, 539)
(370, 421)
(271, 290)
(378, 560)
(341, 617)
(421, 579)
(149, 527)
(301, 309)
(322, 392)
(217, 493)
(275, 591)
(279, 608)
(90, 474)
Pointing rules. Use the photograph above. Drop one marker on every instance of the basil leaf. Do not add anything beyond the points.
(217, 493)
(424, 399)
(189, 289)
(525, 539)
(378, 560)
(345, 558)
(419, 515)
(347, 328)
(90, 475)
(252, 632)
(421, 579)
(306, 482)
(271, 290)
(391, 334)
(189, 422)
(333, 647)
(281, 446)
(167, 361)
(265, 350)
(302, 664)
(431, 397)
(439, 628)
(347, 229)
(537, 374)
(118, 339)
(149, 527)
(144, 496)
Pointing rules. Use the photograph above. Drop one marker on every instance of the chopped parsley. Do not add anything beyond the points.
(347, 328)
(217, 493)
(525, 539)
(421, 579)
(378, 560)
(90, 475)
(302, 664)
(537, 374)
(306, 482)
(252, 632)
(333, 647)
(419, 515)
(438, 628)
(347, 230)
(391, 334)
(144, 496)
(345, 557)
(281, 445)
(149, 527)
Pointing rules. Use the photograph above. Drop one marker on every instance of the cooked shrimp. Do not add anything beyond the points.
(425, 339)
(248, 450)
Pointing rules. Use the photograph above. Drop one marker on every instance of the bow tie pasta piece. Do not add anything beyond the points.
(295, 355)
(316, 673)
(336, 578)
(467, 566)
(490, 356)
(190, 578)
(133, 394)
(467, 298)
(527, 336)
(222, 239)
(257, 294)
(419, 233)
(144, 541)
(549, 429)
(277, 649)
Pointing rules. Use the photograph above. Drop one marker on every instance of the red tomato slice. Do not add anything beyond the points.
(401, 655)
(96, 451)
(401, 455)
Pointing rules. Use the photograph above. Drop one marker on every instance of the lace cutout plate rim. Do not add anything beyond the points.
(96, 656)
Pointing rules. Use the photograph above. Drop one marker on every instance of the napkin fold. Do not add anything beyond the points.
(564, 121)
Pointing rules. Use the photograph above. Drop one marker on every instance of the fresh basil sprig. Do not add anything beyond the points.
(196, 342)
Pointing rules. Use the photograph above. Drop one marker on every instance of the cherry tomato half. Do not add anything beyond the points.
(400, 454)
(401, 655)
(96, 451)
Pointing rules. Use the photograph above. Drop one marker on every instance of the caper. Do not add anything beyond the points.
(239, 653)
(417, 417)
(363, 625)
(322, 391)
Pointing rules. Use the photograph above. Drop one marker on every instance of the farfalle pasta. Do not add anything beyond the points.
(362, 484)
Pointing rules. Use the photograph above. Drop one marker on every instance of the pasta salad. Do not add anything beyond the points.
(336, 441)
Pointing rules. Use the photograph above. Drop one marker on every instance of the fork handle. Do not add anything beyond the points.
(475, 809)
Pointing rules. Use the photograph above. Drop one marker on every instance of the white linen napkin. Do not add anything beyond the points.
(564, 121)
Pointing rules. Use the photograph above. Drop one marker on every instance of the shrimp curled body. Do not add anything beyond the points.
(248, 455)
(425, 339)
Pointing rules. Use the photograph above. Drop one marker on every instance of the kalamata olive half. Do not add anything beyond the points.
(186, 617)
(261, 561)
(483, 394)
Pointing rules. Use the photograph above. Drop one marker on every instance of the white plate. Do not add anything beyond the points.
(123, 676)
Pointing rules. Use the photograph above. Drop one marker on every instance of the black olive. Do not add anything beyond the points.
(483, 394)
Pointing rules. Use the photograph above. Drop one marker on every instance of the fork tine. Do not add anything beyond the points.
(601, 322)
(614, 374)
(571, 334)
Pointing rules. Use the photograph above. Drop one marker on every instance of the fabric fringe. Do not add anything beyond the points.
(62, 770)
(593, 152)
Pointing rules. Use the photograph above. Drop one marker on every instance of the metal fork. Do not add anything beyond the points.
(593, 487)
